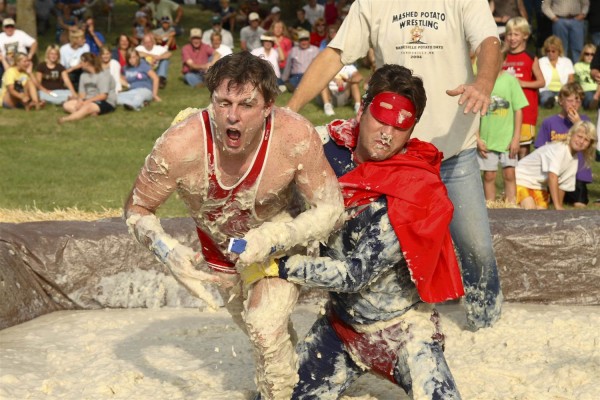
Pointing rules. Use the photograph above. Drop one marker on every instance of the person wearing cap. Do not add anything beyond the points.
(273, 17)
(13, 41)
(166, 8)
(157, 56)
(269, 53)
(226, 36)
(165, 34)
(390, 262)
(250, 35)
(298, 60)
(196, 57)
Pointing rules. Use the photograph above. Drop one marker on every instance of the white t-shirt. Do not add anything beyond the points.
(312, 14)
(115, 71)
(532, 171)
(345, 73)
(223, 50)
(157, 50)
(17, 43)
(439, 53)
(70, 57)
(226, 38)
(272, 58)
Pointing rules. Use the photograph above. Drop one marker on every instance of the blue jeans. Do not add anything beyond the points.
(571, 32)
(163, 68)
(295, 80)
(327, 369)
(193, 78)
(135, 98)
(61, 96)
(546, 95)
(470, 231)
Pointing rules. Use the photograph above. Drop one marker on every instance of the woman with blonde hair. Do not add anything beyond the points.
(584, 78)
(18, 87)
(112, 66)
(97, 93)
(557, 70)
(52, 78)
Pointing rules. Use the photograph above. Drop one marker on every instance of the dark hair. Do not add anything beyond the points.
(397, 79)
(91, 58)
(242, 68)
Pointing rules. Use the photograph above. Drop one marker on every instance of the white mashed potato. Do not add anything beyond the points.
(534, 352)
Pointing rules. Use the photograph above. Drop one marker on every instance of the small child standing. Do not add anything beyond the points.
(556, 127)
(526, 68)
(552, 167)
(498, 140)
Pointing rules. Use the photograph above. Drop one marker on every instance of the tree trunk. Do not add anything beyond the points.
(26, 17)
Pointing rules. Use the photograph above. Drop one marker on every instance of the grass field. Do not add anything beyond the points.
(91, 164)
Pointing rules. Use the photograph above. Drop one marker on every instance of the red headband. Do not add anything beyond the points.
(393, 109)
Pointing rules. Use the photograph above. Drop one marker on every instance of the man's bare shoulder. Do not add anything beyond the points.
(295, 134)
(183, 140)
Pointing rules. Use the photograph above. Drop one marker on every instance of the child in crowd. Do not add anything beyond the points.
(584, 77)
(18, 89)
(556, 127)
(52, 78)
(526, 68)
(552, 167)
(499, 136)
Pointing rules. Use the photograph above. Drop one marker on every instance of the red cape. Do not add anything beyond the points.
(420, 213)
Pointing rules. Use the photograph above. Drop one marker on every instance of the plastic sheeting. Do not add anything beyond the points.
(543, 256)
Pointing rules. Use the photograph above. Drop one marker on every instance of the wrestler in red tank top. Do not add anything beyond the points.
(236, 219)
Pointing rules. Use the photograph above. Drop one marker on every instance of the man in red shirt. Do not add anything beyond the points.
(196, 59)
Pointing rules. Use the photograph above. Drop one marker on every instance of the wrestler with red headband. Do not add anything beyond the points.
(393, 256)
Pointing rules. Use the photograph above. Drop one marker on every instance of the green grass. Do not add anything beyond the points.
(91, 164)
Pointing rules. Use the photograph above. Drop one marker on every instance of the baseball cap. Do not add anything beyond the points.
(267, 38)
(216, 20)
(8, 22)
(303, 34)
(195, 32)
(253, 16)
(275, 10)
(393, 109)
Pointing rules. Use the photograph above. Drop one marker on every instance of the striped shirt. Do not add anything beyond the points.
(298, 61)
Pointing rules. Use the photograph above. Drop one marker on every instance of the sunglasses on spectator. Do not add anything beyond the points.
(588, 54)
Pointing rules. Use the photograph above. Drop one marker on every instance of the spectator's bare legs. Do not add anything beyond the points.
(78, 109)
(510, 185)
(489, 185)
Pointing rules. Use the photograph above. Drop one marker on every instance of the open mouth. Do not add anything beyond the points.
(233, 137)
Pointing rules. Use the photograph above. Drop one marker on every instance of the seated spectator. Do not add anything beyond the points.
(141, 83)
(43, 10)
(298, 60)
(556, 128)
(331, 32)
(301, 23)
(557, 70)
(241, 15)
(97, 95)
(549, 171)
(196, 59)
(119, 53)
(332, 11)
(283, 41)
(319, 32)
(18, 89)
(67, 19)
(273, 17)
(157, 56)
(54, 84)
(166, 8)
(226, 36)
(313, 11)
(272, 55)
(93, 38)
(141, 26)
(112, 66)
(250, 35)
(584, 78)
(13, 41)
(227, 15)
(70, 55)
(165, 34)
(218, 46)
(341, 89)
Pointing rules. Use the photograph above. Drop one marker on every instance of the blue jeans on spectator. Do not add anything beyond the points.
(545, 96)
(163, 68)
(571, 32)
(62, 95)
(595, 38)
(470, 231)
(193, 78)
(135, 98)
(295, 79)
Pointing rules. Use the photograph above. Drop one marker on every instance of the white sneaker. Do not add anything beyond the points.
(328, 108)
(282, 88)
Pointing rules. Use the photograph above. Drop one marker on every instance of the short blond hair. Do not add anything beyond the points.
(518, 24)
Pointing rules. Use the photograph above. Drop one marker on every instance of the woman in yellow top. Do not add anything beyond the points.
(557, 70)
(18, 88)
